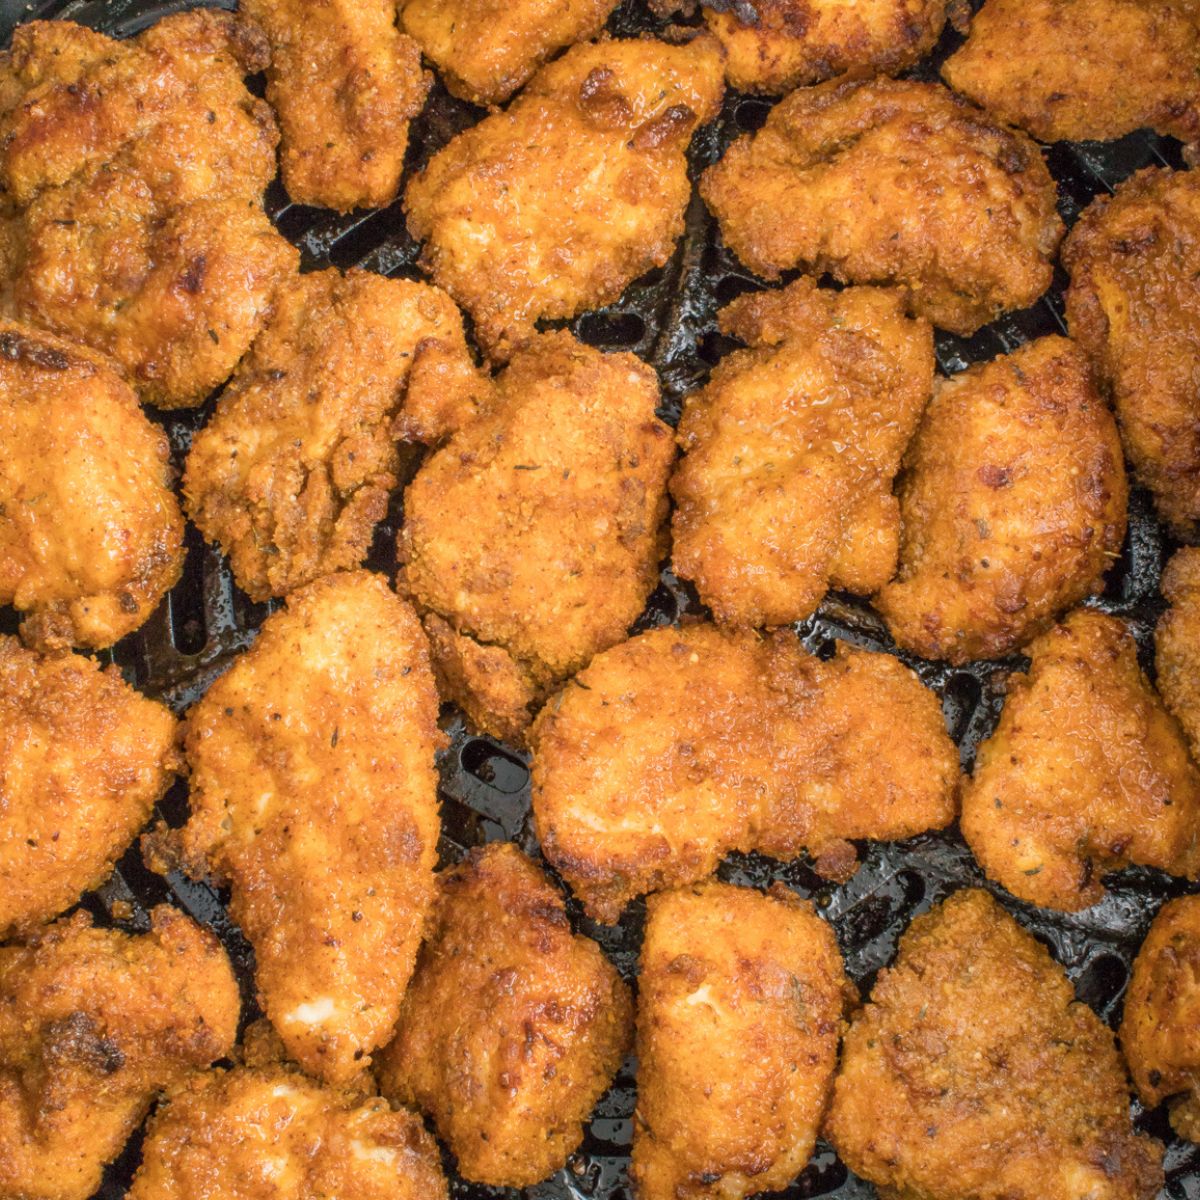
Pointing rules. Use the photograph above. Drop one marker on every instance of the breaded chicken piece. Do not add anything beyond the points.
(487, 49)
(975, 1074)
(790, 451)
(777, 45)
(681, 745)
(1134, 307)
(1070, 70)
(740, 1002)
(1177, 644)
(1086, 773)
(313, 792)
(83, 760)
(91, 536)
(1012, 505)
(93, 1025)
(294, 470)
(558, 203)
(532, 538)
(135, 171)
(345, 82)
(893, 181)
(512, 1026)
(1162, 1015)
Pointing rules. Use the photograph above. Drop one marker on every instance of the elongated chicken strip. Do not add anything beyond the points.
(1177, 644)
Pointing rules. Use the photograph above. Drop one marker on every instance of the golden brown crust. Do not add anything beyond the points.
(1086, 773)
(91, 537)
(1012, 505)
(1177, 644)
(850, 178)
(558, 203)
(83, 760)
(740, 1001)
(790, 450)
(974, 1073)
(1133, 306)
(681, 745)
(512, 1026)
(313, 792)
(93, 1025)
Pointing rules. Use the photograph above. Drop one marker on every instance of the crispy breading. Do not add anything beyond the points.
(1177, 644)
(790, 451)
(556, 204)
(294, 471)
(137, 170)
(345, 82)
(681, 745)
(1134, 307)
(1070, 70)
(91, 536)
(793, 42)
(975, 1074)
(93, 1025)
(313, 792)
(1012, 505)
(83, 760)
(740, 1002)
(893, 181)
(532, 538)
(512, 1026)
(1162, 1015)
(1086, 773)
(487, 49)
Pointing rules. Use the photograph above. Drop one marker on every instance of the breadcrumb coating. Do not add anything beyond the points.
(1177, 643)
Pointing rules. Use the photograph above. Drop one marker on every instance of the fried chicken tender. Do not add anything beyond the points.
(893, 181)
(790, 450)
(91, 536)
(681, 745)
(1086, 773)
(533, 537)
(975, 1074)
(345, 83)
(512, 1026)
(293, 472)
(83, 760)
(1177, 644)
(555, 205)
(1069, 70)
(487, 49)
(1012, 506)
(1133, 306)
(777, 45)
(313, 792)
(93, 1025)
(135, 172)
(740, 1002)
(1162, 1015)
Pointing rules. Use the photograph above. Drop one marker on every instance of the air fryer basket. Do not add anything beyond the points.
(668, 318)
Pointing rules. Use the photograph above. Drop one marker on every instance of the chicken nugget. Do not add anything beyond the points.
(91, 536)
(1012, 505)
(681, 745)
(345, 83)
(1070, 70)
(294, 470)
(313, 792)
(893, 181)
(1177, 644)
(512, 1026)
(975, 1074)
(1133, 306)
(1086, 773)
(93, 1025)
(1162, 1015)
(532, 538)
(558, 203)
(83, 760)
(740, 1002)
(785, 488)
